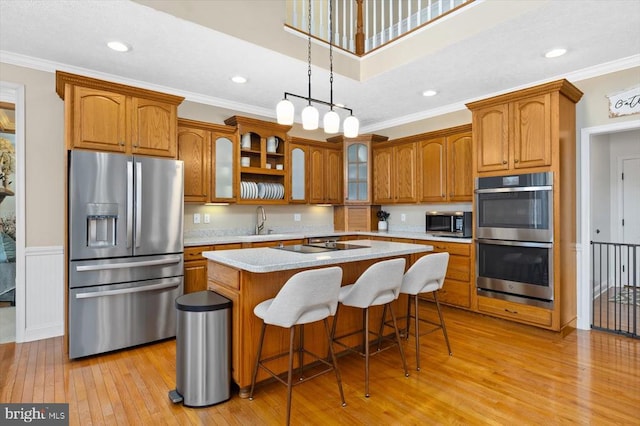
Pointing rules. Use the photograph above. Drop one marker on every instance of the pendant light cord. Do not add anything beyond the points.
(309, 50)
(331, 53)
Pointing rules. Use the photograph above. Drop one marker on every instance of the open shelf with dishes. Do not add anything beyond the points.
(262, 154)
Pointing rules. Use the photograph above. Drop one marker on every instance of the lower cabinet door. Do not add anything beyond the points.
(195, 276)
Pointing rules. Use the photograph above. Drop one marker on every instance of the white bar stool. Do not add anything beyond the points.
(426, 275)
(306, 297)
(378, 285)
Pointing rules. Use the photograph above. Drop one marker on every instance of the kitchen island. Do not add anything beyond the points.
(250, 276)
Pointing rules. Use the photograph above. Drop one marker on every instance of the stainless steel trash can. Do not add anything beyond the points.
(203, 371)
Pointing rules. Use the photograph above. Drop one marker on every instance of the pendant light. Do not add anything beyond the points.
(310, 116)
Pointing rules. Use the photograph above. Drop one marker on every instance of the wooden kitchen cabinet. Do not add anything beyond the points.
(195, 269)
(519, 131)
(208, 151)
(445, 166)
(357, 167)
(528, 131)
(263, 163)
(395, 177)
(105, 116)
(195, 265)
(325, 174)
(316, 171)
(459, 280)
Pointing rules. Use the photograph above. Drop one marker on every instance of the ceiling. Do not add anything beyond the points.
(192, 48)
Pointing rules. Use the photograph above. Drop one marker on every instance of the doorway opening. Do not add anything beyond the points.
(609, 292)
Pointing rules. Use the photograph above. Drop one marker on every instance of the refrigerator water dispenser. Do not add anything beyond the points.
(101, 224)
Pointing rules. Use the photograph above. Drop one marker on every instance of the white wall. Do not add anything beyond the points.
(600, 189)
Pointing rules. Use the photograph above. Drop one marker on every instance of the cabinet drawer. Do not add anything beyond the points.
(223, 275)
(456, 293)
(195, 253)
(515, 311)
(459, 249)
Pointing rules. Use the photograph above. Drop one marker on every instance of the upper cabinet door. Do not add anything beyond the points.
(316, 174)
(491, 129)
(99, 120)
(298, 170)
(223, 168)
(194, 150)
(383, 171)
(459, 161)
(153, 128)
(532, 132)
(357, 178)
(333, 177)
(406, 176)
(434, 170)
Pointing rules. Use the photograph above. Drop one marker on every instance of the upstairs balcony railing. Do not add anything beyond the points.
(361, 26)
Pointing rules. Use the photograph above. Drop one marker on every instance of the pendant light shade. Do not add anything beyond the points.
(331, 122)
(284, 112)
(310, 118)
(351, 127)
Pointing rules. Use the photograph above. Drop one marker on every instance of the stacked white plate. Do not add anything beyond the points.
(248, 190)
(262, 190)
(270, 191)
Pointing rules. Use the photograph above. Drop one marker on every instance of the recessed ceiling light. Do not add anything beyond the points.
(429, 92)
(238, 79)
(554, 53)
(119, 46)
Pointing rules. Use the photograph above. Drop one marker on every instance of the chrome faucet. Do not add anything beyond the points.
(261, 216)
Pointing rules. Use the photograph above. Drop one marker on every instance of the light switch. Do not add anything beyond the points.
(296, 217)
(207, 218)
(196, 218)
(403, 217)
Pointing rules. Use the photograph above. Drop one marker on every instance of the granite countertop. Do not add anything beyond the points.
(264, 259)
(229, 239)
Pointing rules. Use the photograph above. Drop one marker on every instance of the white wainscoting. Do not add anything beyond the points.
(44, 293)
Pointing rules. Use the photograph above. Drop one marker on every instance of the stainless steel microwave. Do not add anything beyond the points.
(449, 224)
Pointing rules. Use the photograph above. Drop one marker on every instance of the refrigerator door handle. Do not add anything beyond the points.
(172, 284)
(129, 203)
(125, 265)
(138, 202)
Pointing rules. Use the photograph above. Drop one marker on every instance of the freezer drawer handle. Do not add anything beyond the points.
(174, 283)
(167, 261)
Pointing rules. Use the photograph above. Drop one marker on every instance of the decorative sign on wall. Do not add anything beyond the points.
(624, 103)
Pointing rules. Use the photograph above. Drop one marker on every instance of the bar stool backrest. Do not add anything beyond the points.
(306, 297)
(426, 274)
(378, 285)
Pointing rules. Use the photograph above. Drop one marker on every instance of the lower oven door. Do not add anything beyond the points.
(108, 317)
(523, 269)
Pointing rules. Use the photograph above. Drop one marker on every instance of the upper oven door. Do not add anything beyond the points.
(522, 212)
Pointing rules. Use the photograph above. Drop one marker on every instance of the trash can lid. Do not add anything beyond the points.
(202, 301)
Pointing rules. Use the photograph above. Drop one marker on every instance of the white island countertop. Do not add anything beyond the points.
(267, 259)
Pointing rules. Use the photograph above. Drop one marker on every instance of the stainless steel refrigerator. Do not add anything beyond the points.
(125, 250)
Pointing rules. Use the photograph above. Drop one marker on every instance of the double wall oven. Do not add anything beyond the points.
(514, 237)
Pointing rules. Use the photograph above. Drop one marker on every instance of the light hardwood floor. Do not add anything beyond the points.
(500, 373)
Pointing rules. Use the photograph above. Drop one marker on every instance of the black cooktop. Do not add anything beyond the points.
(319, 247)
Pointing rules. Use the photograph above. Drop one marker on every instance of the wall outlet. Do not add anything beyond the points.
(196, 218)
(207, 218)
(403, 217)
(296, 217)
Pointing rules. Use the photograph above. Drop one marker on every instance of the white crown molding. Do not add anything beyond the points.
(583, 74)
(50, 66)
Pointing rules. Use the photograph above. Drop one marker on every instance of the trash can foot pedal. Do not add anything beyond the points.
(175, 397)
